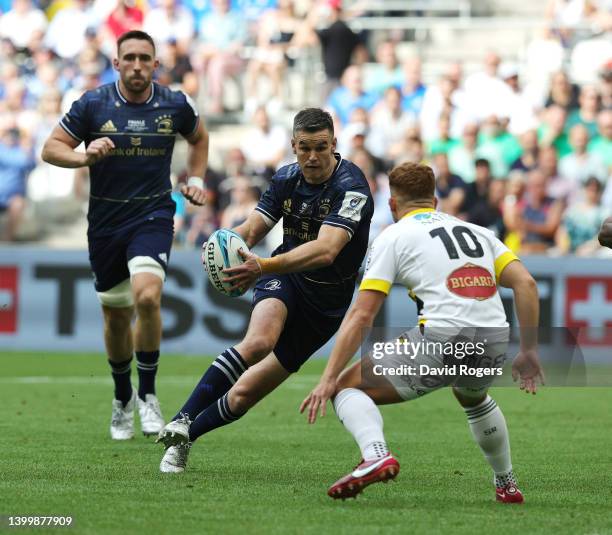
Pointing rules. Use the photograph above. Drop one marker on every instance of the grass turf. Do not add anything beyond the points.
(268, 473)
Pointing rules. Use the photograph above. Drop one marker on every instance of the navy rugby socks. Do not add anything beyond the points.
(216, 415)
(121, 375)
(218, 379)
(146, 364)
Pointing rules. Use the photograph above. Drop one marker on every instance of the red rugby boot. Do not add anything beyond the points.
(366, 473)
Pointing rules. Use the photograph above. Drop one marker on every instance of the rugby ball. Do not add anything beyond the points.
(220, 252)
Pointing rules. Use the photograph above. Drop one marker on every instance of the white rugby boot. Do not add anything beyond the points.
(151, 419)
(122, 419)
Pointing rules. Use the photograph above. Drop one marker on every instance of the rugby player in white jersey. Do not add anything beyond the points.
(451, 268)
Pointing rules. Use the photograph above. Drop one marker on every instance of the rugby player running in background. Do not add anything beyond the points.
(451, 269)
(302, 291)
(129, 128)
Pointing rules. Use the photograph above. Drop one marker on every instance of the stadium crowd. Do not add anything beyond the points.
(523, 147)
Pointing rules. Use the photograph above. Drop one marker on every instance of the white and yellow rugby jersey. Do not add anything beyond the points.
(449, 266)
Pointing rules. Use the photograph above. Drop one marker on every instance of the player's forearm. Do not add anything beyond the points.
(57, 153)
(527, 304)
(350, 336)
(197, 158)
(253, 230)
(312, 255)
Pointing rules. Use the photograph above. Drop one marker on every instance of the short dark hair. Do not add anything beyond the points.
(482, 162)
(313, 120)
(135, 34)
(413, 181)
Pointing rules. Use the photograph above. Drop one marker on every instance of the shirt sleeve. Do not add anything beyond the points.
(349, 208)
(381, 265)
(503, 256)
(189, 117)
(271, 203)
(76, 122)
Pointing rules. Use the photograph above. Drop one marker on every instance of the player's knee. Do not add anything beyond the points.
(469, 397)
(255, 348)
(147, 299)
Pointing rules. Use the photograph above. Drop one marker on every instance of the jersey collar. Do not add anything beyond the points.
(417, 211)
(126, 101)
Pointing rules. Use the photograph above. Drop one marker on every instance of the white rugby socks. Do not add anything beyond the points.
(490, 432)
(363, 420)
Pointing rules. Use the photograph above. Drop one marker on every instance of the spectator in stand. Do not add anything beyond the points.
(605, 86)
(126, 16)
(379, 187)
(562, 92)
(350, 95)
(538, 216)
(339, 44)
(23, 23)
(489, 214)
(222, 36)
(552, 130)
(388, 124)
(580, 165)
(582, 221)
(528, 160)
(170, 20)
(264, 145)
(519, 102)
(448, 98)
(16, 160)
(243, 201)
(498, 146)
(274, 34)
(602, 144)
(178, 69)
(66, 32)
(413, 149)
(461, 158)
(586, 114)
(386, 72)
(413, 89)
(558, 187)
(565, 16)
(450, 189)
(486, 92)
(443, 143)
(476, 192)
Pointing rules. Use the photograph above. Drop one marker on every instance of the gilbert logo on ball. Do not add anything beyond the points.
(221, 252)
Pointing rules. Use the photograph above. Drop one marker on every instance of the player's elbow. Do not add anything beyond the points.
(45, 154)
(526, 285)
(361, 317)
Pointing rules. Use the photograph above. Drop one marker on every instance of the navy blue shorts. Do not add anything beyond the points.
(306, 328)
(109, 255)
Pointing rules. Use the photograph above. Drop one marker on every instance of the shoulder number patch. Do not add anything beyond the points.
(352, 205)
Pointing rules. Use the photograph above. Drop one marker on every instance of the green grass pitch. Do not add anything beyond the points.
(268, 473)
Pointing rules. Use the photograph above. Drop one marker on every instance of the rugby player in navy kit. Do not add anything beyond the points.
(129, 128)
(302, 292)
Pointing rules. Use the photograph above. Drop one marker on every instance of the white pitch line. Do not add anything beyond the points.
(299, 382)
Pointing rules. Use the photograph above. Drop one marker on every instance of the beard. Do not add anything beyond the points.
(137, 84)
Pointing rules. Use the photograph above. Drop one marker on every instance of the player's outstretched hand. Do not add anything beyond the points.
(244, 275)
(317, 399)
(527, 369)
(194, 194)
(98, 149)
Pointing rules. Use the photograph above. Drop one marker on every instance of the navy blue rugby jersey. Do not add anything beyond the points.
(132, 183)
(343, 201)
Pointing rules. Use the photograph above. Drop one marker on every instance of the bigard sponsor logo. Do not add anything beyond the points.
(472, 282)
